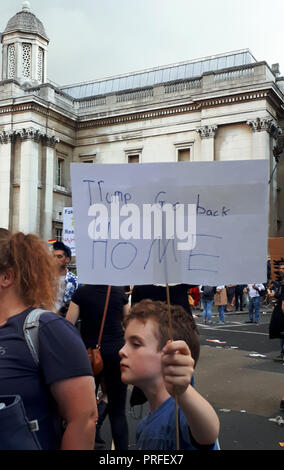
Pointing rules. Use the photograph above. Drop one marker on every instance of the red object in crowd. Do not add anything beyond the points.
(194, 292)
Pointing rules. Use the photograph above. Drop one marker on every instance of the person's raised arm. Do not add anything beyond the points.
(178, 367)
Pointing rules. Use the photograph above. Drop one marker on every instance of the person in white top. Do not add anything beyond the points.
(254, 302)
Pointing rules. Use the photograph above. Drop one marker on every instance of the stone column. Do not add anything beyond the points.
(262, 129)
(30, 140)
(5, 62)
(275, 132)
(34, 60)
(19, 59)
(6, 138)
(207, 134)
(265, 130)
(49, 143)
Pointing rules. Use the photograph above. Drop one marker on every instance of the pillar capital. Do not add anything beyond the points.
(265, 124)
(50, 140)
(207, 132)
(6, 137)
(29, 134)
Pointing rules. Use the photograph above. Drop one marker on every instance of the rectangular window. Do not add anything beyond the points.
(183, 155)
(134, 154)
(87, 158)
(133, 158)
(58, 233)
(60, 172)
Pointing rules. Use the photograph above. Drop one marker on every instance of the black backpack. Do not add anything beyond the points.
(16, 431)
(208, 291)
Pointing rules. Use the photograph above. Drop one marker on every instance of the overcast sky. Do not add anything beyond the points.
(92, 39)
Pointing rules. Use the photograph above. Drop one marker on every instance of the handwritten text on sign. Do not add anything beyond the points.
(192, 222)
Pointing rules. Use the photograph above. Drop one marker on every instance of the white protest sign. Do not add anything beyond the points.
(68, 237)
(184, 222)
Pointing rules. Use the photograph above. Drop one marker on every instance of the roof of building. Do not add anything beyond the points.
(25, 21)
(158, 75)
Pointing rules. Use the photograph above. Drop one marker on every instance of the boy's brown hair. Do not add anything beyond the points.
(183, 325)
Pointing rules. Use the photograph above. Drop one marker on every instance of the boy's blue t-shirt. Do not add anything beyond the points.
(157, 431)
(62, 355)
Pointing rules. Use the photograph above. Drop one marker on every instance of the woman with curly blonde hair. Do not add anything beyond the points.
(61, 388)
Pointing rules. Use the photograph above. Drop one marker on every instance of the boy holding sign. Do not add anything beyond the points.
(163, 370)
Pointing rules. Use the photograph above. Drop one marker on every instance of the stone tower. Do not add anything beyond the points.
(24, 48)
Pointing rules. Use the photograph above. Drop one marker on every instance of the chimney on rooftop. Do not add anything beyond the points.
(275, 69)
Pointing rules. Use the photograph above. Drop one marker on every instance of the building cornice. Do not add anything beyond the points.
(169, 111)
(123, 117)
(33, 106)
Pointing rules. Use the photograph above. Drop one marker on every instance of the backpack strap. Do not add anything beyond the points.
(30, 328)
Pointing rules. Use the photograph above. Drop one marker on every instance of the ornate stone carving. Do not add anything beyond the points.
(274, 129)
(11, 61)
(265, 124)
(26, 60)
(40, 64)
(50, 140)
(29, 134)
(207, 132)
(6, 137)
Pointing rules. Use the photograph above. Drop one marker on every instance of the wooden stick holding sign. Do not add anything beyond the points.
(104, 315)
(171, 339)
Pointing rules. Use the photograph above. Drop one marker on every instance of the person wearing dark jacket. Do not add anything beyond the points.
(239, 297)
(88, 304)
(208, 293)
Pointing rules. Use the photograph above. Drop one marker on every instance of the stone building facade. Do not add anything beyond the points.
(224, 107)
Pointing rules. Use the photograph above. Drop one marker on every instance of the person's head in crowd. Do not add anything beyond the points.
(27, 270)
(147, 331)
(62, 254)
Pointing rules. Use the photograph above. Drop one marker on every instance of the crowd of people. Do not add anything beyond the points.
(141, 346)
(226, 298)
(58, 392)
(234, 296)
